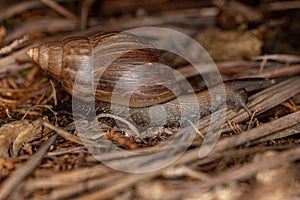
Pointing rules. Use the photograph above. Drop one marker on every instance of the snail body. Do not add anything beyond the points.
(104, 60)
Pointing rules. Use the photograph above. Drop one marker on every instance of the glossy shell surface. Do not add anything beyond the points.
(119, 67)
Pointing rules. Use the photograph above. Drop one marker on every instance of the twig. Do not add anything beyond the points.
(119, 185)
(252, 117)
(284, 71)
(130, 125)
(280, 58)
(9, 101)
(196, 129)
(259, 132)
(7, 49)
(67, 150)
(41, 106)
(235, 127)
(66, 178)
(262, 65)
(53, 93)
(61, 10)
(81, 187)
(286, 5)
(18, 8)
(293, 130)
(63, 133)
(121, 140)
(17, 176)
(84, 13)
(45, 25)
(242, 172)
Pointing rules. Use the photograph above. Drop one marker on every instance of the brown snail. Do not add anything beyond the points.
(111, 56)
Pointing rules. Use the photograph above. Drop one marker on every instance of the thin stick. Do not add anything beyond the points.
(53, 93)
(8, 186)
(130, 125)
(63, 133)
(242, 172)
(61, 10)
(121, 184)
(286, 5)
(196, 129)
(41, 106)
(18, 8)
(280, 58)
(84, 13)
(9, 48)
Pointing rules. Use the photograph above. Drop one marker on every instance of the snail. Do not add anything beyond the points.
(110, 56)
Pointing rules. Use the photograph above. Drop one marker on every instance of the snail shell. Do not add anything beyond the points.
(113, 61)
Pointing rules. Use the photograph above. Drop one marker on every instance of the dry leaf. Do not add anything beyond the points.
(17, 133)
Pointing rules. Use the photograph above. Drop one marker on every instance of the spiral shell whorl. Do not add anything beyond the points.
(103, 60)
(49, 57)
